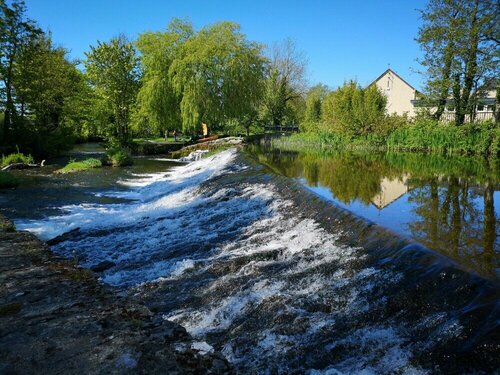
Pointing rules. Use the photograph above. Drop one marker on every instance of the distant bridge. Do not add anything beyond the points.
(281, 128)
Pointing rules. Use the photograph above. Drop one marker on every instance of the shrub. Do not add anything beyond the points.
(78, 166)
(354, 110)
(118, 157)
(7, 180)
(17, 157)
(430, 135)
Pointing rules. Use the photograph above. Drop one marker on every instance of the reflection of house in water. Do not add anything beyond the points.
(390, 190)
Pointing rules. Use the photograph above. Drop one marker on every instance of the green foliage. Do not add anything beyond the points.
(118, 156)
(219, 75)
(39, 83)
(158, 104)
(460, 44)
(78, 166)
(314, 101)
(433, 136)
(7, 180)
(17, 157)
(283, 100)
(113, 71)
(395, 133)
(354, 110)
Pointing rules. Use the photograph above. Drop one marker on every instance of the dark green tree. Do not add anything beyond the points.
(112, 69)
(15, 31)
(460, 43)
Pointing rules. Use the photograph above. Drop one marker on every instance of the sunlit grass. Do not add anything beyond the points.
(78, 166)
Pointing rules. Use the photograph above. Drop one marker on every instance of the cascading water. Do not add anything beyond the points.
(278, 280)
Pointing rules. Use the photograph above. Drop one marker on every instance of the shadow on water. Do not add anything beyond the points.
(448, 204)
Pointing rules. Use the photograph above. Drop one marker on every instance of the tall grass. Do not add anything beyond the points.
(17, 157)
(420, 136)
(445, 138)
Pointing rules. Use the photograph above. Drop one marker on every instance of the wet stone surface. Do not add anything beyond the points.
(57, 318)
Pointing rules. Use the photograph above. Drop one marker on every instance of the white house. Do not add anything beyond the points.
(402, 99)
(400, 94)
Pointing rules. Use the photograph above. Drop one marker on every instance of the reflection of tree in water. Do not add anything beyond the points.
(450, 219)
(448, 210)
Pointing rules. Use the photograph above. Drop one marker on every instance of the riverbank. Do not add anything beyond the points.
(56, 317)
(482, 139)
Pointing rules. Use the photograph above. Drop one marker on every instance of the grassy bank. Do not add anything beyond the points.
(421, 136)
(14, 158)
(78, 166)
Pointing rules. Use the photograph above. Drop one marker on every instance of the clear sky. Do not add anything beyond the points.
(341, 39)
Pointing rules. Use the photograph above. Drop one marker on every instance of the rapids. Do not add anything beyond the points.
(278, 280)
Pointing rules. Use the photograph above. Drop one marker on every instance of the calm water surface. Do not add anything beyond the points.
(449, 204)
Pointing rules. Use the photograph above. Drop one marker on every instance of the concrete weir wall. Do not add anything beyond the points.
(58, 318)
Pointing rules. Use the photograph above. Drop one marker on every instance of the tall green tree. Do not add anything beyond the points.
(112, 69)
(354, 110)
(460, 43)
(285, 83)
(157, 101)
(219, 75)
(15, 31)
(314, 100)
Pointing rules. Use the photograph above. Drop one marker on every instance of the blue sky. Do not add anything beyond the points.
(342, 40)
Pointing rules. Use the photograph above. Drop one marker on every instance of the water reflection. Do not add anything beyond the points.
(445, 203)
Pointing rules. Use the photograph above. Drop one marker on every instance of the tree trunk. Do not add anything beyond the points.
(457, 99)
(497, 103)
(471, 65)
(445, 84)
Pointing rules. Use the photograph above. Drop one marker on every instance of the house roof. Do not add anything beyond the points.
(396, 74)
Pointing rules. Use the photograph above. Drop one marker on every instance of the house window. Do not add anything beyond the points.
(450, 108)
(481, 107)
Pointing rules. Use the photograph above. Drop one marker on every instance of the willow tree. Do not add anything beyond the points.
(113, 71)
(158, 103)
(219, 76)
(460, 43)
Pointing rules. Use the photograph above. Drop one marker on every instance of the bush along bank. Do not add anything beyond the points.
(117, 157)
(420, 136)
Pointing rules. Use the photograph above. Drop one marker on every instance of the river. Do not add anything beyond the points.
(293, 262)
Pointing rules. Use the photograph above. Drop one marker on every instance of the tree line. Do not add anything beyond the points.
(179, 78)
(168, 80)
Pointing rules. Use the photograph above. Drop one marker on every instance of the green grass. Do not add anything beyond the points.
(422, 136)
(7, 180)
(17, 157)
(161, 139)
(78, 166)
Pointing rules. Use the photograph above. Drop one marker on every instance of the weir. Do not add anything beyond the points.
(278, 280)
